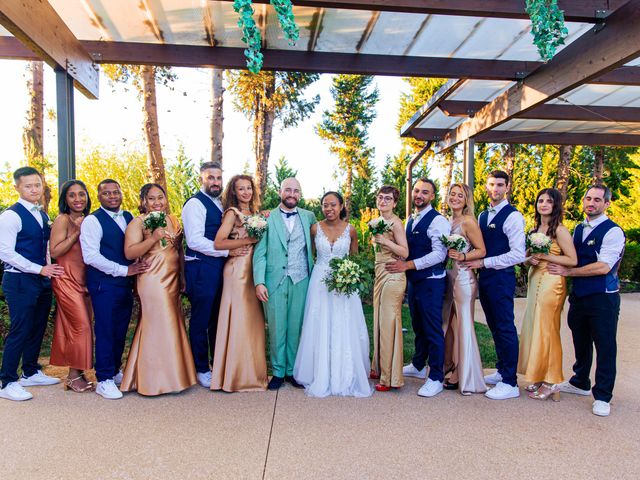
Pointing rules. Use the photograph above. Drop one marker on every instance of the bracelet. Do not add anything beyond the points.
(464, 257)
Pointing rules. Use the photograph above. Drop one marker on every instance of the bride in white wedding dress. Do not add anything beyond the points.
(333, 355)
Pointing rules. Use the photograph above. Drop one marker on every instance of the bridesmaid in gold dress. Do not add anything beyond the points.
(462, 362)
(388, 295)
(239, 362)
(72, 344)
(540, 346)
(160, 359)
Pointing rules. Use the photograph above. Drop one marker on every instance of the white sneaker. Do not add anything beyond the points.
(502, 391)
(430, 388)
(38, 379)
(566, 387)
(601, 408)
(493, 379)
(411, 371)
(117, 378)
(14, 391)
(204, 379)
(107, 389)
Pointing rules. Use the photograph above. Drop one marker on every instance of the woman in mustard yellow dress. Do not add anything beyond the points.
(388, 295)
(160, 359)
(239, 362)
(540, 360)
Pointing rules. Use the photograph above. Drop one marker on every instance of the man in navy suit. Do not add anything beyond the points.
(24, 236)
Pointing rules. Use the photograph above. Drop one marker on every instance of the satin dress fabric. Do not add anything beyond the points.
(72, 344)
(540, 343)
(239, 362)
(462, 362)
(388, 295)
(160, 359)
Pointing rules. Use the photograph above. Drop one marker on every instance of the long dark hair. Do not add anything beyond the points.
(343, 209)
(144, 191)
(230, 199)
(63, 206)
(557, 213)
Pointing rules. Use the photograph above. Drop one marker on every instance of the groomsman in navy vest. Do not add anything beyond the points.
(24, 235)
(502, 229)
(425, 272)
(109, 283)
(202, 217)
(594, 300)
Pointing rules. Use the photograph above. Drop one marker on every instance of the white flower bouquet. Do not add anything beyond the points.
(346, 277)
(538, 243)
(453, 241)
(378, 226)
(155, 220)
(256, 225)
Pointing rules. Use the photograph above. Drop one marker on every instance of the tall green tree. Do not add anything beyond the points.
(394, 173)
(265, 98)
(346, 128)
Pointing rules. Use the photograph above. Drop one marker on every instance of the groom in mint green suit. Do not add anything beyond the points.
(282, 264)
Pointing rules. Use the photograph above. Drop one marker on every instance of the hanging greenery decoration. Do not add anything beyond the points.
(251, 33)
(547, 26)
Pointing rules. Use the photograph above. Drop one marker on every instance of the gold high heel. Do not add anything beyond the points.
(546, 391)
(68, 385)
(533, 387)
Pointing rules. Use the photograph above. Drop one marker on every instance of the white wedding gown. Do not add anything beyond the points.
(333, 355)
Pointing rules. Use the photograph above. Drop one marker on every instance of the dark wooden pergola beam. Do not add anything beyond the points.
(595, 53)
(575, 10)
(458, 108)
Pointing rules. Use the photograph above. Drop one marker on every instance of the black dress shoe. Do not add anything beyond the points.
(292, 381)
(275, 383)
(450, 386)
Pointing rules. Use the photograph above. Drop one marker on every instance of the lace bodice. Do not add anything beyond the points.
(326, 251)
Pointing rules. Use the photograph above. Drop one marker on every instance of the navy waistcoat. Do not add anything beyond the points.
(212, 224)
(495, 240)
(31, 241)
(420, 245)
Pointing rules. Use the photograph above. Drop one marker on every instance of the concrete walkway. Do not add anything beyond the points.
(204, 435)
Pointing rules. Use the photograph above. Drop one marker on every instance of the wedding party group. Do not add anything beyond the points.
(243, 269)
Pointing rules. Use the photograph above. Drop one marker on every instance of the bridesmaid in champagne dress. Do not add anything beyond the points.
(388, 295)
(160, 359)
(72, 344)
(540, 345)
(239, 362)
(462, 362)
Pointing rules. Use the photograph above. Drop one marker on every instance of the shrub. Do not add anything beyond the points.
(630, 266)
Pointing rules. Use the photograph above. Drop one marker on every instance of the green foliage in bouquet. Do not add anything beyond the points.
(349, 275)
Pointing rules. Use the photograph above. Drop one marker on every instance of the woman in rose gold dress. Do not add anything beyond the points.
(239, 362)
(462, 363)
(160, 359)
(72, 335)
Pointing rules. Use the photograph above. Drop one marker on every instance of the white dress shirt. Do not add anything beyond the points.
(289, 221)
(612, 242)
(194, 216)
(10, 226)
(439, 226)
(513, 228)
(90, 238)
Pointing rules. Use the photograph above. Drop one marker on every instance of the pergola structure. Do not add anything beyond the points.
(500, 91)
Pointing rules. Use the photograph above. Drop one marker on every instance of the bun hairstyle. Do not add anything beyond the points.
(343, 209)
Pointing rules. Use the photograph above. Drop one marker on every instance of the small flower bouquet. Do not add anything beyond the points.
(455, 241)
(256, 225)
(378, 226)
(346, 277)
(155, 220)
(538, 243)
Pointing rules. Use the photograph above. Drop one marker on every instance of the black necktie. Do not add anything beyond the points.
(288, 214)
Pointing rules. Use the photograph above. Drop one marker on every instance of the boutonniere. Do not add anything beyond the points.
(591, 242)
(492, 225)
(50, 223)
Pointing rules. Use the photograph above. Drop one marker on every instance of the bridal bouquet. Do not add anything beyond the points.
(455, 241)
(256, 225)
(538, 243)
(378, 226)
(346, 277)
(155, 220)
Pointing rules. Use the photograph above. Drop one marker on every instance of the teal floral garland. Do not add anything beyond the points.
(547, 26)
(251, 33)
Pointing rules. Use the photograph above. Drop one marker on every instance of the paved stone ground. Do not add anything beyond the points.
(204, 435)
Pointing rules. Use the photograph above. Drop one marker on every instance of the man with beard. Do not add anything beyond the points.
(202, 217)
(282, 263)
(594, 300)
(425, 272)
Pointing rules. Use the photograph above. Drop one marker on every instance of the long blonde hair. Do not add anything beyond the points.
(469, 206)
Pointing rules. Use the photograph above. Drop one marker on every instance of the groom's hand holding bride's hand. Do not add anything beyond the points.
(262, 293)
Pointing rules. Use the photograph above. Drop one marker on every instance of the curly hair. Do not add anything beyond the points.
(144, 191)
(230, 199)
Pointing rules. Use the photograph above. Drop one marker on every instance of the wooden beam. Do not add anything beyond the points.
(39, 27)
(595, 53)
(587, 113)
(575, 10)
